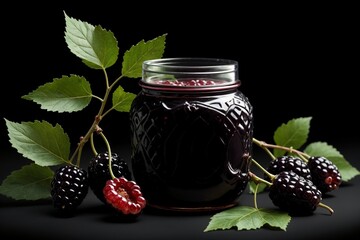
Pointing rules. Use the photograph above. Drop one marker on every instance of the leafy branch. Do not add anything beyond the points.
(47, 145)
(289, 138)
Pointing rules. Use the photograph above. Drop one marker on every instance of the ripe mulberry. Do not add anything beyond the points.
(325, 174)
(294, 194)
(124, 196)
(69, 187)
(289, 163)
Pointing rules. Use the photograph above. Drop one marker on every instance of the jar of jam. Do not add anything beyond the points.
(191, 134)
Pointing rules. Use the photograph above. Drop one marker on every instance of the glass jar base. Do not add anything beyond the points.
(190, 209)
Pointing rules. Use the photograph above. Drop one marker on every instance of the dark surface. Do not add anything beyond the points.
(94, 221)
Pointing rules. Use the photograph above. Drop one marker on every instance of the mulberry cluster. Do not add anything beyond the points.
(70, 186)
(320, 170)
(298, 186)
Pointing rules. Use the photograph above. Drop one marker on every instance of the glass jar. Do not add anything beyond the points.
(191, 134)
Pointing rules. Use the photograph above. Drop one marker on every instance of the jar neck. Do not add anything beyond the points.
(169, 90)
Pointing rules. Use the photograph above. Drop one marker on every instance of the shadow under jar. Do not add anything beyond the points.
(191, 134)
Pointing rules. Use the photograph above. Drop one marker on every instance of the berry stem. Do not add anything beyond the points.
(271, 176)
(84, 139)
(255, 196)
(92, 144)
(79, 155)
(265, 146)
(95, 125)
(258, 180)
(110, 154)
(326, 207)
(260, 144)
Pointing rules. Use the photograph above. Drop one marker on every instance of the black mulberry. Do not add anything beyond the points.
(324, 173)
(294, 194)
(69, 187)
(289, 163)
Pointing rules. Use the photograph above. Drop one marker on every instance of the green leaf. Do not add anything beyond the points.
(41, 142)
(31, 182)
(97, 47)
(122, 100)
(247, 218)
(324, 149)
(292, 134)
(66, 94)
(136, 55)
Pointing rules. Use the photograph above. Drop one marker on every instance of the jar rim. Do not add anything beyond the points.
(190, 73)
(195, 65)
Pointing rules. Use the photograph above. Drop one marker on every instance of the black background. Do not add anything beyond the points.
(295, 60)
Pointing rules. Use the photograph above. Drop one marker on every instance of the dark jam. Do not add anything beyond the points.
(191, 144)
